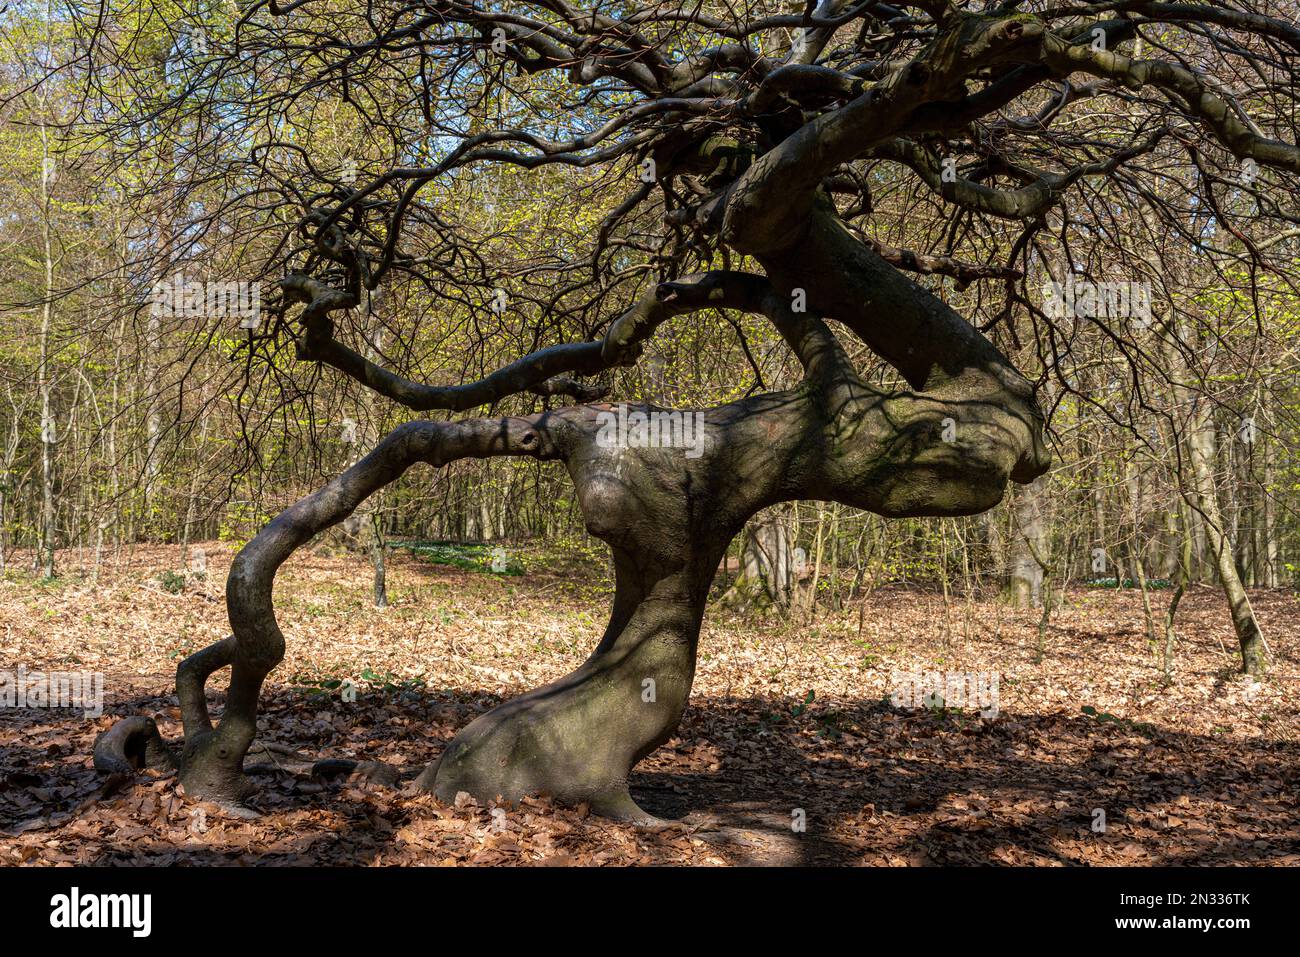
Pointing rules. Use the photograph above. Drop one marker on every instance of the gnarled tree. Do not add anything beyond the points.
(741, 143)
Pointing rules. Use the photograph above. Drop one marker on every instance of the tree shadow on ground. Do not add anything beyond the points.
(849, 782)
(940, 788)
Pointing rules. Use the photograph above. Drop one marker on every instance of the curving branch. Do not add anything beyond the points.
(541, 372)
(1028, 202)
(1192, 92)
(211, 761)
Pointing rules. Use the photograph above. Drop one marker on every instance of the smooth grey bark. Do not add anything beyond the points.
(1270, 552)
(1133, 489)
(1028, 543)
(11, 445)
(1200, 449)
(766, 568)
(48, 542)
(378, 547)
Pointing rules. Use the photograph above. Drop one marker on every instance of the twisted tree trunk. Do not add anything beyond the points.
(667, 516)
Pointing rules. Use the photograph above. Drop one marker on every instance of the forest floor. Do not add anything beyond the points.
(790, 750)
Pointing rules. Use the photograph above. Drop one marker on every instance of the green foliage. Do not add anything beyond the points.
(773, 718)
(473, 557)
(173, 582)
(368, 681)
(1156, 583)
(1103, 717)
(242, 521)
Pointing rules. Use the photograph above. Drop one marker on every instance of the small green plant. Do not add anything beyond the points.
(799, 709)
(374, 682)
(869, 658)
(317, 687)
(1103, 717)
(470, 557)
(1152, 583)
(389, 682)
(171, 581)
(828, 725)
(772, 718)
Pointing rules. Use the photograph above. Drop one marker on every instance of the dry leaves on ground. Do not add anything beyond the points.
(1200, 772)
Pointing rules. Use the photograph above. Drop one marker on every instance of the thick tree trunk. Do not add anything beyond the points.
(832, 439)
(578, 738)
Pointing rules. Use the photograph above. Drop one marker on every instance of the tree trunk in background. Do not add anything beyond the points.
(997, 547)
(1200, 442)
(1133, 487)
(362, 532)
(766, 567)
(1202, 570)
(486, 525)
(48, 436)
(153, 415)
(377, 547)
(1180, 576)
(191, 496)
(1269, 576)
(1172, 542)
(372, 510)
(1204, 500)
(7, 476)
(1028, 545)
(808, 591)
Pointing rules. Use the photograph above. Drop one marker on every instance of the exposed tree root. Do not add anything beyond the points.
(131, 745)
(375, 772)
